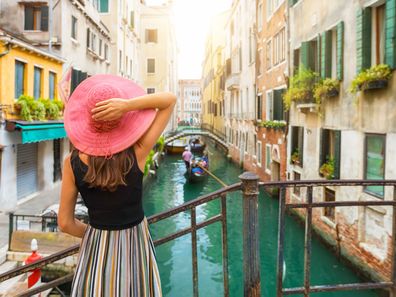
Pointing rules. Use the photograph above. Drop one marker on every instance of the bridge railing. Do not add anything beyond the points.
(250, 188)
(214, 131)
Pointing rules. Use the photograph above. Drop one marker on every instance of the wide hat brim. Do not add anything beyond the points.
(78, 117)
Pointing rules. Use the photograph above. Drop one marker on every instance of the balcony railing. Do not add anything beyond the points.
(250, 187)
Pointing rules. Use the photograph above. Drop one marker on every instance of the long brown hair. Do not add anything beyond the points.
(108, 173)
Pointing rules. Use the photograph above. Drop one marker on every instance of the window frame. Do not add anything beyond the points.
(259, 148)
(147, 66)
(23, 64)
(148, 35)
(37, 69)
(366, 188)
(74, 28)
(54, 75)
(268, 159)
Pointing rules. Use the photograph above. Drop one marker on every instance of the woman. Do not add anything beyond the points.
(113, 127)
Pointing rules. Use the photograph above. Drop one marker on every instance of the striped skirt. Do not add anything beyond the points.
(118, 263)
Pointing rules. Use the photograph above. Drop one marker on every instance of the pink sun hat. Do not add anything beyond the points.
(104, 138)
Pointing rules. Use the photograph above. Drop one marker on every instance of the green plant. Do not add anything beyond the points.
(272, 124)
(301, 87)
(375, 73)
(161, 144)
(327, 169)
(324, 88)
(149, 162)
(52, 111)
(37, 110)
(59, 103)
(295, 157)
(24, 103)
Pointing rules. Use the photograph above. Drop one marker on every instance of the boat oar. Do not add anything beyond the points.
(212, 175)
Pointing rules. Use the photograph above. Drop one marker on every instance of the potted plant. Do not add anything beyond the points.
(326, 89)
(23, 107)
(376, 77)
(295, 157)
(273, 124)
(301, 87)
(52, 111)
(327, 169)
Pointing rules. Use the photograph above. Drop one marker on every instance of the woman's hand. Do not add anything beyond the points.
(108, 110)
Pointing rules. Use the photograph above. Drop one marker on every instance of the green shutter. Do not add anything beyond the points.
(104, 6)
(278, 105)
(337, 153)
(301, 144)
(28, 18)
(363, 40)
(292, 2)
(340, 50)
(305, 55)
(326, 54)
(324, 145)
(390, 33)
(44, 18)
(318, 54)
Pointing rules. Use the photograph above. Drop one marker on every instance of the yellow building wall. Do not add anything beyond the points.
(31, 59)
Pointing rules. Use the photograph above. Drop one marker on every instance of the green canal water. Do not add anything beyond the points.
(170, 188)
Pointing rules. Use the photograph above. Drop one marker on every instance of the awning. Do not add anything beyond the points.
(42, 132)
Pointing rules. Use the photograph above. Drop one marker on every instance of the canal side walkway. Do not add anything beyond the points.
(33, 206)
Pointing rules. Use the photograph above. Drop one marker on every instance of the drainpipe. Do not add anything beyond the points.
(50, 25)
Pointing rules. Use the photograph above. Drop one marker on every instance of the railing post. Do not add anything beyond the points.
(251, 252)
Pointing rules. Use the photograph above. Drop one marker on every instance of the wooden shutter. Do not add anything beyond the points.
(326, 39)
(278, 105)
(301, 144)
(28, 18)
(44, 18)
(390, 33)
(304, 51)
(363, 39)
(340, 50)
(337, 153)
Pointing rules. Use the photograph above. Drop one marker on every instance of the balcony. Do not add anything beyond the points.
(232, 82)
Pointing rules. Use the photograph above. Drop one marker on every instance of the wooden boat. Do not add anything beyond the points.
(197, 145)
(176, 146)
(195, 173)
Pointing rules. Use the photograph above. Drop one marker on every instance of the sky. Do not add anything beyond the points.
(192, 19)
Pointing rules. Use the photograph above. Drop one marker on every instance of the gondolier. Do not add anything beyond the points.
(187, 155)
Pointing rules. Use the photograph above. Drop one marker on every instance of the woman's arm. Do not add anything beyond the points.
(66, 221)
(114, 109)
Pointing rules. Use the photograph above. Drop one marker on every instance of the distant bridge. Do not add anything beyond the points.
(194, 132)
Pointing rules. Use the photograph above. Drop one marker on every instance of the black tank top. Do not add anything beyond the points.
(107, 210)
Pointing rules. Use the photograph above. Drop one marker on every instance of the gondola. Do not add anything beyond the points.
(196, 173)
(197, 145)
(176, 146)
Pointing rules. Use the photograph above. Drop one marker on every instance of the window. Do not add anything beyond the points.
(260, 16)
(93, 42)
(19, 83)
(150, 90)
(274, 105)
(132, 20)
(52, 84)
(330, 151)
(378, 35)
(100, 47)
(268, 159)
(269, 106)
(36, 18)
(259, 62)
(375, 162)
(246, 141)
(296, 60)
(37, 82)
(120, 60)
(74, 27)
(279, 47)
(329, 212)
(130, 68)
(103, 6)
(269, 55)
(106, 52)
(151, 35)
(126, 65)
(88, 38)
(254, 145)
(269, 8)
(297, 145)
(259, 153)
(151, 66)
(296, 190)
(259, 107)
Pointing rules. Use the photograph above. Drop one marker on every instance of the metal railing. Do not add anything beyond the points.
(250, 187)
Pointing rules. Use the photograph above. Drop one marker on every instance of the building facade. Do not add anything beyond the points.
(240, 93)
(159, 52)
(352, 132)
(123, 21)
(32, 152)
(189, 105)
(271, 72)
(214, 73)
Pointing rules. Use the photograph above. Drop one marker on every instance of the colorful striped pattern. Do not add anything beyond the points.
(119, 263)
